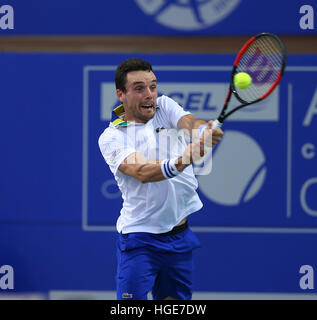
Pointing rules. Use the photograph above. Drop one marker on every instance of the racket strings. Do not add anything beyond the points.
(263, 61)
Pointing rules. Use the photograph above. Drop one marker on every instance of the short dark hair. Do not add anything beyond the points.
(132, 64)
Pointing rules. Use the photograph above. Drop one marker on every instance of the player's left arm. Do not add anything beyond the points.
(191, 126)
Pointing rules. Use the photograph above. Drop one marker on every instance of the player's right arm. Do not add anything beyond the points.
(137, 166)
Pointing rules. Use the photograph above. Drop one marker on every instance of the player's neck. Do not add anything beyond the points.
(133, 119)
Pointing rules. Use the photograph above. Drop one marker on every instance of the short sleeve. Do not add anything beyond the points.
(172, 109)
(115, 147)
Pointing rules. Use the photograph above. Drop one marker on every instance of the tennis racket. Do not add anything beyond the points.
(263, 57)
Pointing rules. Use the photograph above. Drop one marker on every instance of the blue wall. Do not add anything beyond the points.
(159, 17)
(59, 203)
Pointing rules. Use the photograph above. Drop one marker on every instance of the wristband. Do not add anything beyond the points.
(169, 169)
(201, 130)
(173, 166)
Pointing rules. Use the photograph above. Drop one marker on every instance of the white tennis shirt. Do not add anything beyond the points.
(154, 207)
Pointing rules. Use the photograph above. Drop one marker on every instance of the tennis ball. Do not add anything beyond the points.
(242, 80)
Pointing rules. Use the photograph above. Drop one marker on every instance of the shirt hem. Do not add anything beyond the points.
(158, 231)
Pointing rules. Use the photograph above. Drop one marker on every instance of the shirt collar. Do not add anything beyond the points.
(118, 115)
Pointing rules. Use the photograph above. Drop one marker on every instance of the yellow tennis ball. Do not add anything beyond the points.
(242, 80)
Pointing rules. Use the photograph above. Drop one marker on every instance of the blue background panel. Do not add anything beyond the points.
(139, 17)
(54, 244)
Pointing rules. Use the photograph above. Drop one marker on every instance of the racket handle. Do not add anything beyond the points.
(216, 125)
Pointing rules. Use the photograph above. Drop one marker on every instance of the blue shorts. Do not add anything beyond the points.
(162, 264)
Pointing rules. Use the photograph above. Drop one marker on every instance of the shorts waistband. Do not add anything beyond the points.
(175, 230)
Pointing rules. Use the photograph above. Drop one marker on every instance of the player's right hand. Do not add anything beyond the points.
(193, 152)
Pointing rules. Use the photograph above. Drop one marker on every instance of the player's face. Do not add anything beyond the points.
(139, 100)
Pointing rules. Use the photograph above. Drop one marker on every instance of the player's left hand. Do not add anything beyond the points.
(211, 137)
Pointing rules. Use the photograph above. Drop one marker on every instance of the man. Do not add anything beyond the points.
(146, 151)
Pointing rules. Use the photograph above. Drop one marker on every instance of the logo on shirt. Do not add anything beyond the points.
(159, 129)
(188, 14)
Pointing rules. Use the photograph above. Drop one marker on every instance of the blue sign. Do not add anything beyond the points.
(255, 157)
(160, 17)
(59, 201)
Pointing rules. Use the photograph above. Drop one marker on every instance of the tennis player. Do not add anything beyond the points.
(147, 150)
